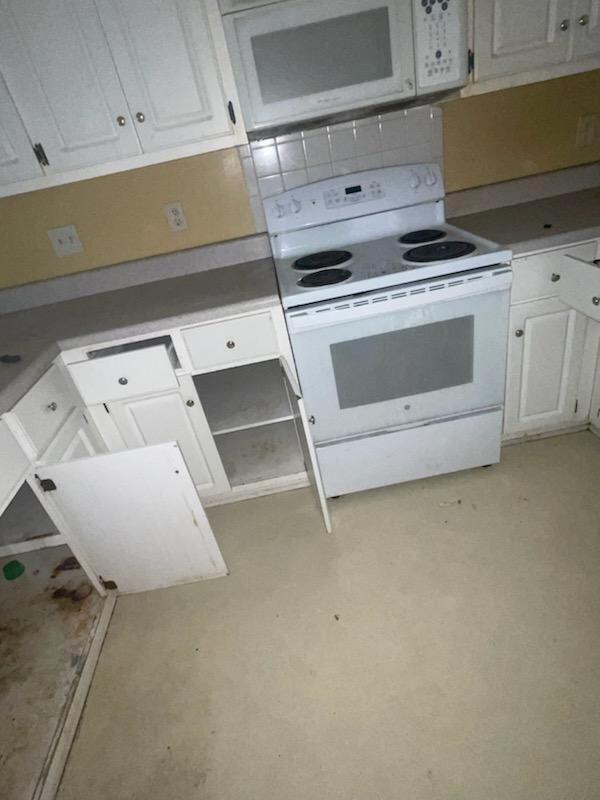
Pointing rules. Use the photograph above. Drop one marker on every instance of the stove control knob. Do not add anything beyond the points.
(280, 210)
(295, 206)
(415, 180)
(430, 178)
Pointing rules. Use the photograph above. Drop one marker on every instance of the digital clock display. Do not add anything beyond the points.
(353, 189)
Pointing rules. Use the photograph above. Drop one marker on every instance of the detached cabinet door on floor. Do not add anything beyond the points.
(63, 81)
(171, 57)
(546, 347)
(514, 36)
(136, 517)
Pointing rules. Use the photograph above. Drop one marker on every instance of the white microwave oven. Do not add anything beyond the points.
(300, 59)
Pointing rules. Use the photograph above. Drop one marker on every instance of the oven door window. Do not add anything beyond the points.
(413, 364)
(404, 363)
(298, 58)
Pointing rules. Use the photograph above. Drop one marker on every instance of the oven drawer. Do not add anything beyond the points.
(124, 375)
(233, 340)
(45, 407)
(540, 275)
(407, 455)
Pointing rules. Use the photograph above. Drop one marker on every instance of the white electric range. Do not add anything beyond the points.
(398, 323)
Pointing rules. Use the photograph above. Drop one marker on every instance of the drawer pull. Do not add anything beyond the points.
(52, 406)
(596, 301)
(555, 277)
(123, 381)
(231, 344)
(189, 403)
(519, 333)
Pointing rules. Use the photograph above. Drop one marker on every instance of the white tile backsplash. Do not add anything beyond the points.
(409, 136)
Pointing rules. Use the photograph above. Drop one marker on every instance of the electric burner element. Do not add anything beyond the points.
(325, 277)
(420, 237)
(328, 258)
(438, 251)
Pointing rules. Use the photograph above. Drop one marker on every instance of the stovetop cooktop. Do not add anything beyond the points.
(393, 260)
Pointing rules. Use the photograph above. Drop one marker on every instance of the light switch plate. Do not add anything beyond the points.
(175, 217)
(587, 130)
(65, 241)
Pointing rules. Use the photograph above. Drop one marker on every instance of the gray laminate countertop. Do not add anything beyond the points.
(539, 224)
(39, 334)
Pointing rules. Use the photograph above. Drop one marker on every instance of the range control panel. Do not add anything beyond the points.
(440, 43)
(348, 196)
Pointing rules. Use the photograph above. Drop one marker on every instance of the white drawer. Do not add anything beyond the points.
(124, 375)
(540, 275)
(232, 340)
(45, 407)
(14, 465)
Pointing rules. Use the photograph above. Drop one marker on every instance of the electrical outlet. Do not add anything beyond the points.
(587, 127)
(65, 241)
(175, 217)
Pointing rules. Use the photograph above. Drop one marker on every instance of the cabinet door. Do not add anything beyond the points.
(580, 286)
(586, 31)
(17, 161)
(13, 466)
(60, 73)
(545, 353)
(171, 60)
(595, 404)
(515, 36)
(135, 516)
(167, 417)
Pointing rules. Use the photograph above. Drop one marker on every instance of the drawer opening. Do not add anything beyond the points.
(130, 347)
(261, 453)
(244, 397)
(24, 525)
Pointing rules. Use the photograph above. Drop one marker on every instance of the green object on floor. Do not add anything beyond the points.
(12, 570)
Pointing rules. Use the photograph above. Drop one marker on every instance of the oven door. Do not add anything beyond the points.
(382, 361)
(304, 58)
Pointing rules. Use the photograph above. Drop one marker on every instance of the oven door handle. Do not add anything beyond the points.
(291, 377)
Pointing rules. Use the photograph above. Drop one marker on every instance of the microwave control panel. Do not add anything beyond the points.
(440, 44)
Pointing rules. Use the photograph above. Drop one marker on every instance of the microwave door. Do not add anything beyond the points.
(404, 367)
(305, 58)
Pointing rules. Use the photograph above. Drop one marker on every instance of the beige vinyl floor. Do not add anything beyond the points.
(442, 644)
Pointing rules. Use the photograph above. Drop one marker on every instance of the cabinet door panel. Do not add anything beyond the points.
(136, 518)
(515, 36)
(544, 364)
(165, 418)
(165, 54)
(17, 161)
(586, 33)
(60, 73)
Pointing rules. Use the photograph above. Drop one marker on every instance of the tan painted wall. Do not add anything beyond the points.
(518, 132)
(120, 217)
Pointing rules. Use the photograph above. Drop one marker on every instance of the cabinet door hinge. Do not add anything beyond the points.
(107, 584)
(46, 484)
(471, 61)
(231, 111)
(40, 154)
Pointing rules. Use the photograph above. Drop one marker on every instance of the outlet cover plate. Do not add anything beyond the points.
(175, 216)
(65, 241)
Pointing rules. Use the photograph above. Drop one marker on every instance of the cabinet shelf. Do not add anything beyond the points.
(245, 397)
(24, 525)
(261, 453)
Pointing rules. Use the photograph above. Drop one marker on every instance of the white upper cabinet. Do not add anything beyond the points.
(515, 36)
(17, 160)
(60, 73)
(170, 55)
(586, 32)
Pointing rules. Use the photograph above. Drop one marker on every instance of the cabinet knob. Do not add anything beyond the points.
(555, 277)
(121, 121)
(596, 301)
(564, 25)
(123, 381)
(189, 403)
(52, 406)
(140, 116)
(231, 344)
(583, 20)
(519, 333)
(311, 419)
